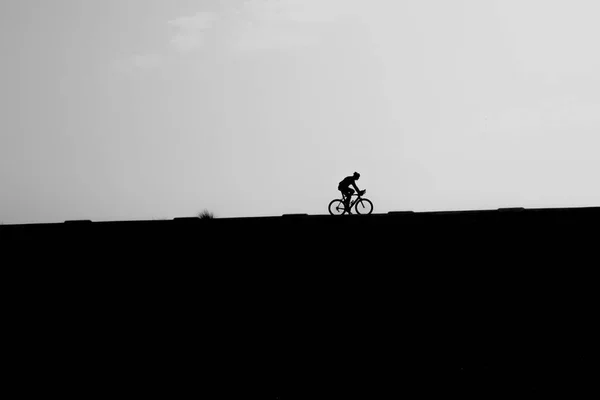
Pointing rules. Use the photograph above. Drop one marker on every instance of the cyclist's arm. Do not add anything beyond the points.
(355, 187)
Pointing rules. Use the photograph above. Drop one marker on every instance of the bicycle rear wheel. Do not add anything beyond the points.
(337, 207)
(364, 207)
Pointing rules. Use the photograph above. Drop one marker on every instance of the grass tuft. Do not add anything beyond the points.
(206, 215)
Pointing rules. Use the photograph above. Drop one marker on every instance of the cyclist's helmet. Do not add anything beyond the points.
(356, 175)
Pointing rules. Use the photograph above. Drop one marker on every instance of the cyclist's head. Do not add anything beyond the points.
(356, 175)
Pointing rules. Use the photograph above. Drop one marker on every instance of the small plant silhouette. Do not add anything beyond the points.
(206, 215)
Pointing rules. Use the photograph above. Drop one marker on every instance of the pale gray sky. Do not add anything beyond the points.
(151, 109)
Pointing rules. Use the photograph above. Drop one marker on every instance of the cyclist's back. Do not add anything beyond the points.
(346, 182)
(349, 181)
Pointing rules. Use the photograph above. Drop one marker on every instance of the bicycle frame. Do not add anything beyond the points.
(352, 202)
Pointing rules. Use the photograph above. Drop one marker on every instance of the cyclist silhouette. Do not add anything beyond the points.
(347, 192)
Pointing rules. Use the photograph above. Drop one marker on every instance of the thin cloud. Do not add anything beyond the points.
(137, 62)
(283, 24)
(191, 30)
(300, 11)
(255, 25)
(257, 38)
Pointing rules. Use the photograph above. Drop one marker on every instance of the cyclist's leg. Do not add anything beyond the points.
(349, 193)
(343, 195)
(341, 189)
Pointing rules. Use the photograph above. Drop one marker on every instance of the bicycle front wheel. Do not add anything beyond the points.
(337, 207)
(364, 207)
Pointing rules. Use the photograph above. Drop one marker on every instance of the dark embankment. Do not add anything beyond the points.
(479, 304)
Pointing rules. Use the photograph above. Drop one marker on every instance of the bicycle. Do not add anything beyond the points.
(361, 205)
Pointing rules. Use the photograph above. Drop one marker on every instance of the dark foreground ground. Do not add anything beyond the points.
(483, 304)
